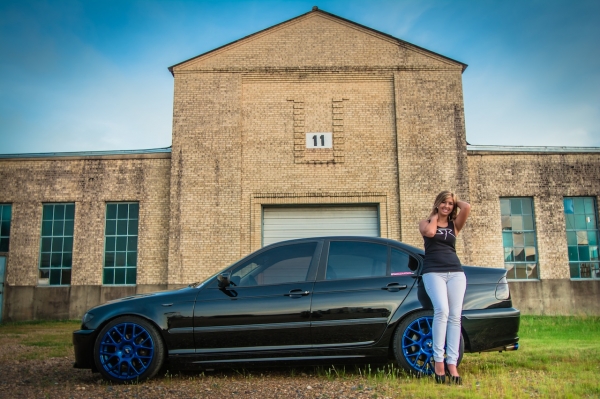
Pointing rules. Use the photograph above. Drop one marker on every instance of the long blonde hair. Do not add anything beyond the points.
(441, 197)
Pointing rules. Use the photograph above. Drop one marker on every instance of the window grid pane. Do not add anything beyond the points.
(120, 243)
(582, 237)
(519, 238)
(56, 244)
(5, 216)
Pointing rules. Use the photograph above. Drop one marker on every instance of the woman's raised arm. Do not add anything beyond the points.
(461, 218)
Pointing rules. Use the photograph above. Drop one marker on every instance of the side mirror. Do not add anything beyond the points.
(224, 280)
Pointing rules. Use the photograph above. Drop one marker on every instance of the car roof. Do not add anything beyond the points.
(381, 240)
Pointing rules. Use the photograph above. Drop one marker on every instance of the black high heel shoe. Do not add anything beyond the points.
(439, 379)
(456, 380)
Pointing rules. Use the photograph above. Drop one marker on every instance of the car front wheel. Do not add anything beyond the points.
(413, 343)
(129, 348)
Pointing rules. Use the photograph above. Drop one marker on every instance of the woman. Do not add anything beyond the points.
(444, 279)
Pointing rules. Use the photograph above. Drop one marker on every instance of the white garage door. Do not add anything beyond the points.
(286, 223)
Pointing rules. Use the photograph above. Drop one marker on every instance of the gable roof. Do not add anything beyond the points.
(316, 10)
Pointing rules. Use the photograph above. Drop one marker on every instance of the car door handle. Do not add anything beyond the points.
(297, 293)
(394, 287)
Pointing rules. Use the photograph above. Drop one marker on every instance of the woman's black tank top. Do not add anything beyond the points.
(440, 251)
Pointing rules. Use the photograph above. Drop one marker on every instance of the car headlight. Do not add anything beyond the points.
(502, 291)
(87, 318)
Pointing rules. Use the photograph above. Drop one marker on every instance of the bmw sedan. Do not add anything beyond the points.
(331, 300)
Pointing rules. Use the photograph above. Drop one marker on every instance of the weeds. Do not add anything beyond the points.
(558, 357)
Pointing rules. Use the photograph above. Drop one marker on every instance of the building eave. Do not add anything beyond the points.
(316, 10)
(500, 149)
(115, 154)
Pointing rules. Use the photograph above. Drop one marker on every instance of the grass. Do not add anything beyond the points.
(41, 339)
(559, 357)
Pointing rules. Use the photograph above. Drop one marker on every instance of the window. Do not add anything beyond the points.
(280, 265)
(56, 252)
(5, 214)
(518, 238)
(120, 243)
(402, 264)
(582, 236)
(354, 259)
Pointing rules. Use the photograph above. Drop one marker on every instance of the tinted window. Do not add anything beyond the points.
(285, 264)
(356, 260)
(402, 263)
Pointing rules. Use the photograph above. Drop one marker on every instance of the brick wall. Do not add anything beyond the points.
(546, 177)
(89, 183)
(431, 147)
(241, 114)
(240, 118)
(205, 176)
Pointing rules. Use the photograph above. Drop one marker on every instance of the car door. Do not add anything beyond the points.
(267, 305)
(359, 286)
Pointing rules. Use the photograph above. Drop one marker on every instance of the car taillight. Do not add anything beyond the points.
(502, 291)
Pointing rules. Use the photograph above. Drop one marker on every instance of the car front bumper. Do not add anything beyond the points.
(83, 345)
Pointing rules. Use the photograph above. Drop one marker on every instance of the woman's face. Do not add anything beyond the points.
(446, 207)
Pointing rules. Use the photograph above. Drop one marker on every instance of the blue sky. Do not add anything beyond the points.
(92, 75)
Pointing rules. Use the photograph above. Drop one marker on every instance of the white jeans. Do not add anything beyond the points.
(446, 291)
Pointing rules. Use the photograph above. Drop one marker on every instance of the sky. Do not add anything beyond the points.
(91, 75)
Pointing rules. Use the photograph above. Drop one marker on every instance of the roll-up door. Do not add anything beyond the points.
(286, 223)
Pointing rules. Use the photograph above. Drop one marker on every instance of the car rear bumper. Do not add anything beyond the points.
(491, 329)
(83, 345)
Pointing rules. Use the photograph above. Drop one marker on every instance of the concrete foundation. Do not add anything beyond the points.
(59, 303)
(556, 297)
(545, 297)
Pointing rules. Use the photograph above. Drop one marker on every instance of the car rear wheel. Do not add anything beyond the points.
(413, 343)
(128, 348)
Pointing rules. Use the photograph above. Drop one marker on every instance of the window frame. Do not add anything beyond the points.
(260, 269)
(512, 272)
(416, 261)
(575, 230)
(310, 277)
(124, 237)
(8, 222)
(52, 239)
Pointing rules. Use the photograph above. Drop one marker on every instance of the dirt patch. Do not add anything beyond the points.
(36, 361)
(55, 378)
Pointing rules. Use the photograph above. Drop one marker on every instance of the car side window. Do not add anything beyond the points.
(284, 264)
(402, 263)
(354, 259)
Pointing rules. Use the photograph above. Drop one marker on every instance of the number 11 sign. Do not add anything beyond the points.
(319, 140)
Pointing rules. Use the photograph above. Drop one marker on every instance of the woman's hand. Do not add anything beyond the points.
(434, 211)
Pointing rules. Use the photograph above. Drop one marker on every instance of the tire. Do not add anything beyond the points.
(413, 343)
(129, 348)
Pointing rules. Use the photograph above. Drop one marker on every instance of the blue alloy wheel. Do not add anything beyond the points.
(413, 343)
(128, 348)
(126, 351)
(417, 345)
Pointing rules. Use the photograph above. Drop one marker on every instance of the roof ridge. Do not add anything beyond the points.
(316, 9)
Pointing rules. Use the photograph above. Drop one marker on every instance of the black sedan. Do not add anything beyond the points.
(329, 300)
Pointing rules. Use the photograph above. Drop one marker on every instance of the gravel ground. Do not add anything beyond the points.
(54, 377)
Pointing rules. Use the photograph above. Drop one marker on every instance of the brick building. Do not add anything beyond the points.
(315, 126)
